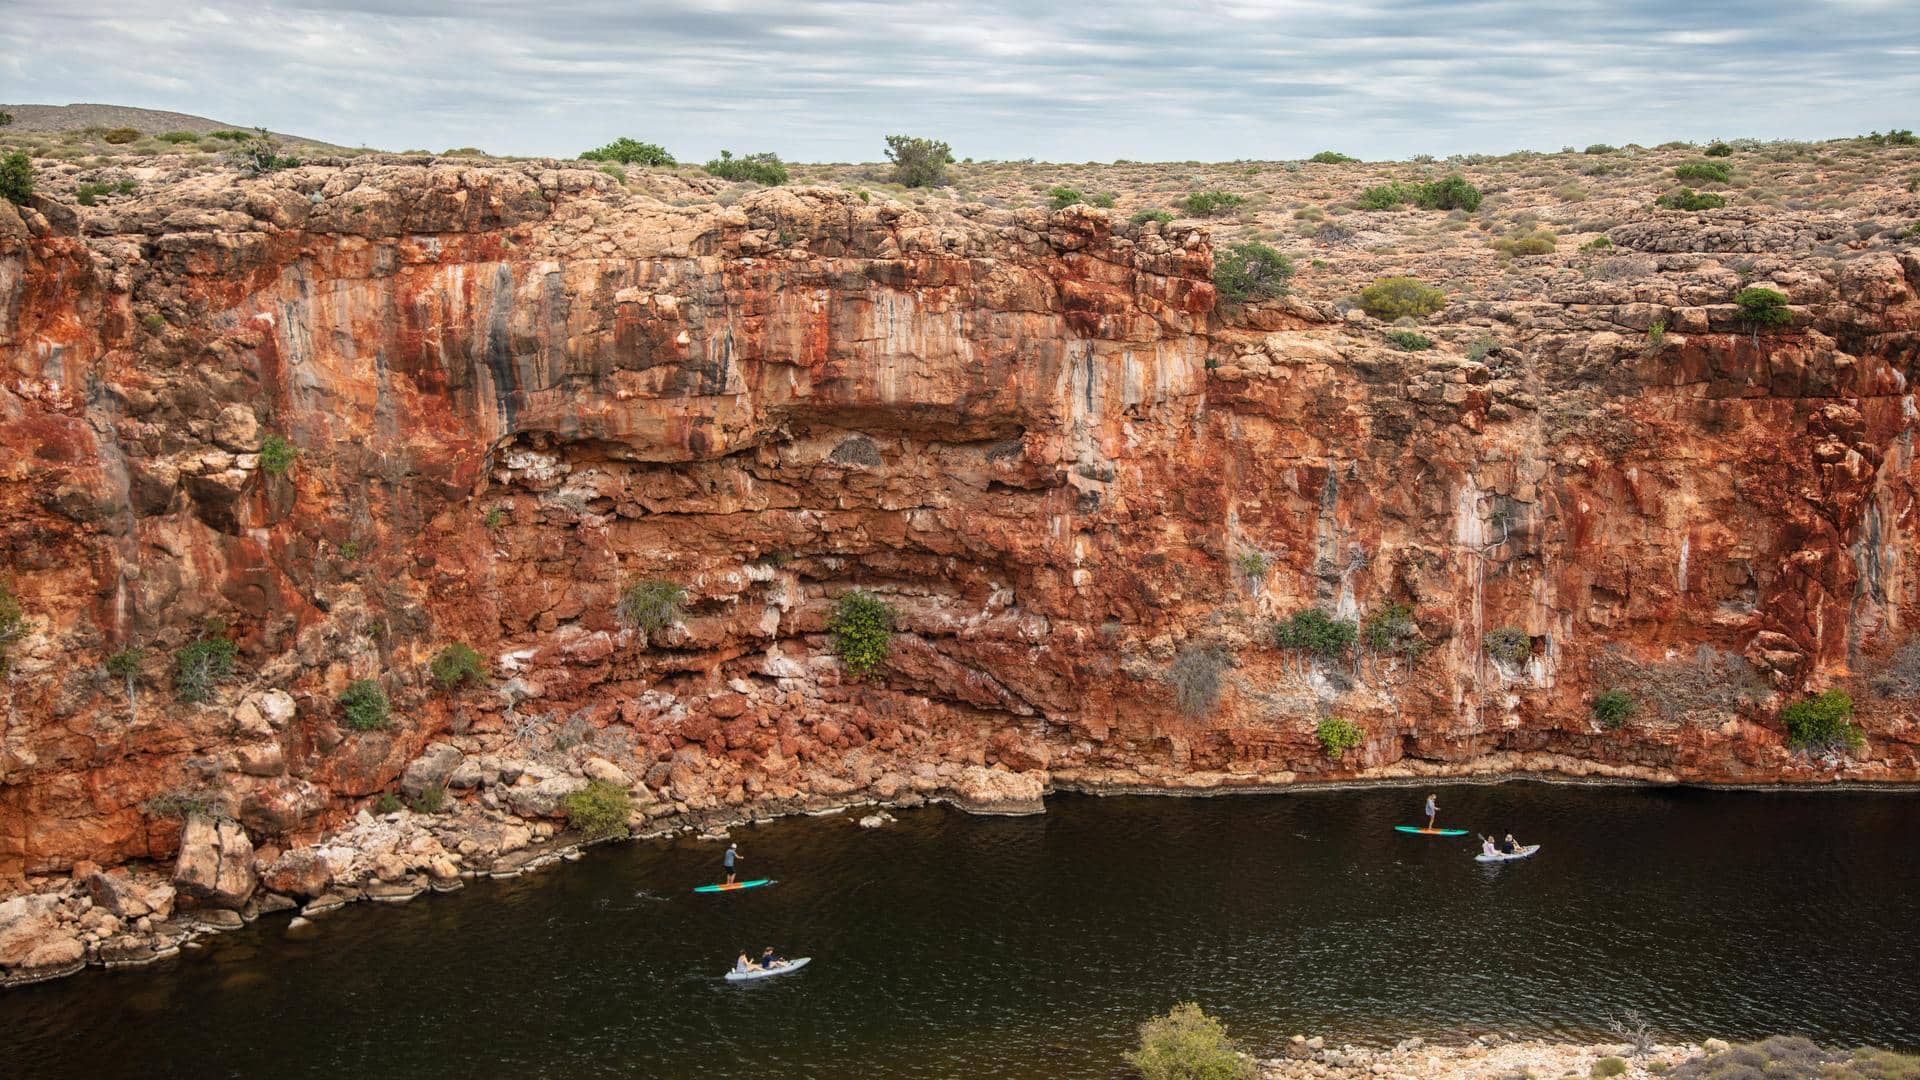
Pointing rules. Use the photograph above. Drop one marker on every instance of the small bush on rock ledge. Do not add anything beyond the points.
(16, 177)
(365, 705)
(763, 168)
(277, 454)
(1251, 271)
(1195, 678)
(862, 629)
(599, 810)
(1187, 1044)
(457, 663)
(1509, 644)
(1392, 298)
(1822, 723)
(1337, 736)
(652, 605)
(201, 665)
(1611, 708)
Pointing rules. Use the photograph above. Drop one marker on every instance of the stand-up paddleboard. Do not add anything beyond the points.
(1503, 857)
(736, 886)
(1417, 830)
(756, 973)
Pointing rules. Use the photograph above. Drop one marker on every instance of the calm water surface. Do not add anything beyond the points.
(948, 945)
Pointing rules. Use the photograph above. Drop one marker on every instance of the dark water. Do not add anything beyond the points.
(949, 945)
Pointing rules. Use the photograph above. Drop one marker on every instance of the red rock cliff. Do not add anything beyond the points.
(516, 389)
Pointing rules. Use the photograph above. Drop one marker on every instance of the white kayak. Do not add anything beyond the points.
(1521, 854)
(757, 973)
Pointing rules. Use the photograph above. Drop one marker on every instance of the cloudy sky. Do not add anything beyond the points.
(824, 80)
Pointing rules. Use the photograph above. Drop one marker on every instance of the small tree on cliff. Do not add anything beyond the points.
(457, 663)
(862, 629)
(1250, 271)
(201, 665)
(125, 665)
(1822, 724)
(918, 162)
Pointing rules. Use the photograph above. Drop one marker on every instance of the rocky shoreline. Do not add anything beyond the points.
(1487, 1057)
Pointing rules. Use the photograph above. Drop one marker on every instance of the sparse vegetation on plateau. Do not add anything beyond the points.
(1339, 735)
(456, 664)
(1392, 298)
(628, 151)
(1688, 199)
(1059, 198)
(862, 629)
(1822, 723)
(1141, 217)
(1409, 341)
(1331, 157)
(652, 605)
(1716, 172)
(1716, 148)
(1450, 193)
(599, 811)
(364, 705)
(1250, 271)
(1527, 242)
(258, 154)
(764, 168)
(1210, 203)
(918, 162)
(1187, 1044)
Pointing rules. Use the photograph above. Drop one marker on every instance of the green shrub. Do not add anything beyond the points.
(13, 624)
(124, 664)
(120, 136)
(1253, 564)
(599, 810)
(16, 177)
(277, 454)
(259, 154)
(365, 705)
(230, 135)
(201, 665)
(1062, 197)
(1195, 676)
(1526, 242)
(1250, 271)
(1210, 203)
(1104, 200)
(1791, 1056)
(1392, 298)
(652, 605)
(1598, 243)
(862, 628)
(1508, 643)
(764, 168)
(1389, 195)
(1314, 631)
(1392, 629)
(1718, 172)
(1600, 148)
(618, 172)
(918, 162)
(1331, 157)
(1689, 199)
(1337, 736)
(88, 194)
(495, 517)
(178, 137)
(1822, 722)
(431, 801)
(1141, 217)
(1611, 708)
(1187, 1044)
(630, 152)
(6, 119)
(1451, 193)
(1896, 137)
(1408, 341)
(1716, 148)
(387, 803)
(1763, 307)
(457, 663)
(1657, 335)
(1609, 1066)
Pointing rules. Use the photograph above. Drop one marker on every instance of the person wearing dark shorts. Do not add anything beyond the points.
(733, 852)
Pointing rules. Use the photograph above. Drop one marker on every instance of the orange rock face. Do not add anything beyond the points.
(515, 390)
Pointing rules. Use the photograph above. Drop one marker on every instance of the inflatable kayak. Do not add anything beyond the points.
(791, 965)
(1521, 854)
(1429, 832)
(735, 887)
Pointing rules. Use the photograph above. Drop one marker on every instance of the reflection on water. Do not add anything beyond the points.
(1031, 947)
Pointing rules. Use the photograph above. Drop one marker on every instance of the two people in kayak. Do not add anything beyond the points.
(1507, 846)
(767, 962)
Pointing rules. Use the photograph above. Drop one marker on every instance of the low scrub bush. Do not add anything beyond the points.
(457, 663)
(1762, 307)
(1062, 197)
(1331, 157)
(763, 168)
(599, 810)
(120, 136)
(13, 624)
(259, 154)
(201, 665)
(862, 630)
(627, 151)
(1611, 708)
(1784, 1056)
(1608, 1067)
(16, 177)
(387, 803)
(1526, 242)
(1408, 341)
(1389, 195)
(1337, 736)
(1716, 172)
(1195, 676)
(1598, 243)
(230, 135)
(1716, 148)
(178, 138)
(364, 705)
(1600, 148)
(1451, 193)
(277, 454)
(1392, 629)
(1508, 644)
(1103, 200)
(1689, 199)
(1141, 217)
(1896, 137)
(431, 801)
(918, 162)
(1187, 1044)
(1392, 298)
(1250, 271)
(652, 605)
(1211, 203)
(1314, 631)
(1821, 723)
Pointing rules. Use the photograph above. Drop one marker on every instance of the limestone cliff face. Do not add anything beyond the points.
(516, 389)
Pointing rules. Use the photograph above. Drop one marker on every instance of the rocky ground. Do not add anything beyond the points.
(1489, 1057)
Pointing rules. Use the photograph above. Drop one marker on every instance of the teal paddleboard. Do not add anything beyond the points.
(1429, 832)
(736, 886)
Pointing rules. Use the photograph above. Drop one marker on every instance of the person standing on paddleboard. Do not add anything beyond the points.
(733, 852)
(1433, 809)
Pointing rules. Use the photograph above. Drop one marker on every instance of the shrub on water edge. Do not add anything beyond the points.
(764, 168)
(1338, 735)
(652, 605)
(862, 628)
(1187, 1044)
(1718, 172)
(1314, 631)
(599, 810)
(1250, 271)
(1689, 199)
(628, 151)
(364, 705)
(1614, 707)
(16, 177)
(1408, 341)
(918, 162)
(277, 454)
(1211, 203)
(457, 663)
(1195, 678)
(201, 665)
(1822, 722)
(1763, 307)
(1331, 157)
(1509, 644)
(1392, 298)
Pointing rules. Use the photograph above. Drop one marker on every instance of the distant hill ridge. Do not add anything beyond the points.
(75, 117)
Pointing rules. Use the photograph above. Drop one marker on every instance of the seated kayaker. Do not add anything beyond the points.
(1487, 846)
(768, 961)
(1509, 846)
(744, 965)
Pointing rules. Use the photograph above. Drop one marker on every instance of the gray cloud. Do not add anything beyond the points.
(825, 79)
